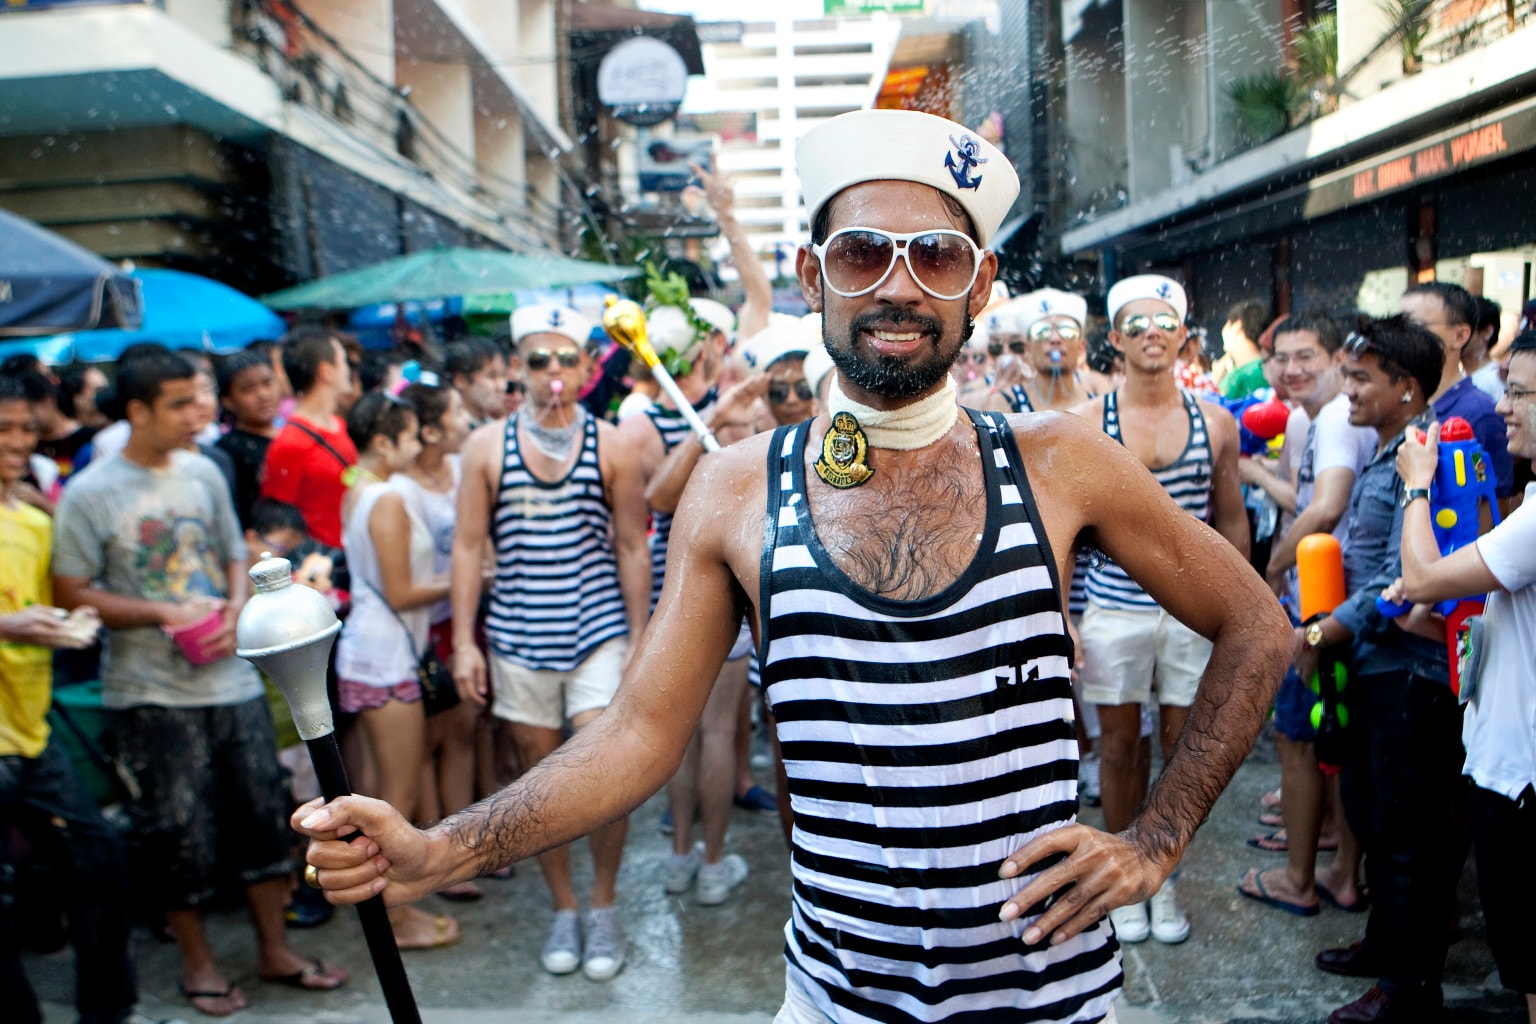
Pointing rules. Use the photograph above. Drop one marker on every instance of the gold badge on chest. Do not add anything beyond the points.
(843, 452)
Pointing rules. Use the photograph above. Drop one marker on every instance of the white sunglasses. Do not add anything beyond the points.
(856, 261)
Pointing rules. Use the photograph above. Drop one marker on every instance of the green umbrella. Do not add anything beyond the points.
(440, 273)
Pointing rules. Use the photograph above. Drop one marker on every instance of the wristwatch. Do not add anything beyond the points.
(1314, 635)
(1413, 493)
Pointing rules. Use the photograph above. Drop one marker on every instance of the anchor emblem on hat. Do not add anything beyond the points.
(555, 317)
(1045, 305)
(966, 150)
(1163, 290)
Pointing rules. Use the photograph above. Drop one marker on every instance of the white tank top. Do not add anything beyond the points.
(373, 647)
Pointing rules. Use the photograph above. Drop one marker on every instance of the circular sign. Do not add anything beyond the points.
(643, 80)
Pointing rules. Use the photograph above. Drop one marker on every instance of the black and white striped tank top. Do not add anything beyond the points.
(673, 428)
(1077, 590)
(925, 741)
(556, 594)
(1187, 480)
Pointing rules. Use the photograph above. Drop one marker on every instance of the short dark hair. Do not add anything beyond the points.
(140, 349)
(37, 386)
(269, 515)
(71, 384)
(430, 402)
(1489, 313)
(1253, 315)
(377, 415)
(821, 225)
(11, 389)
(469, 356)
(374, 370)
(304, 349)
(1460, 306)
(1405, 349)
(1101, 354)
(236, 363)
(141, 379)
(1524, 343)
(20, 363)
(1329, 333)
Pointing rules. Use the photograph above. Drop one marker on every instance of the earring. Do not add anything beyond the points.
(1406, 399)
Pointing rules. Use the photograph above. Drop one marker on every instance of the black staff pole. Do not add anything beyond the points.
(287, 631)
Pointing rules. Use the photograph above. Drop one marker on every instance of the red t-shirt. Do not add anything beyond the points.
(307, 476)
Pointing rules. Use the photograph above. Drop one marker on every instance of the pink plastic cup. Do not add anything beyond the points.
(191, 637)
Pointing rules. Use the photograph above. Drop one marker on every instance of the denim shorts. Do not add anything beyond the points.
(1293, 709)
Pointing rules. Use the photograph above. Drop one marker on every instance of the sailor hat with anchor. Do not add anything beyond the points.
(907, 145)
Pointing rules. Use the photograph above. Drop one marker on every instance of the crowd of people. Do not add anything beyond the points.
(1007, 546)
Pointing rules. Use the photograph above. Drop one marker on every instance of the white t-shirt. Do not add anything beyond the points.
(1332, 443)
(636, 403)
(1499, 729)
(1486, 378)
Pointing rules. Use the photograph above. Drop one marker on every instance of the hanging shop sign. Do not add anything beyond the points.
(1456, 149)
(642, 81)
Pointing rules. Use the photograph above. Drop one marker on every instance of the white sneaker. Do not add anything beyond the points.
(1131, 923)
(1168, 922)
(681, 870)
(1088, 780)
(605, 944)
(562, 950)
(717, 880)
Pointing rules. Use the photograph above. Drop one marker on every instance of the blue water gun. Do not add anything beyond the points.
(1463, 480)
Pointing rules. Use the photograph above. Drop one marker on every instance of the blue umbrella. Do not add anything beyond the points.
(180, 311)
(49, 284)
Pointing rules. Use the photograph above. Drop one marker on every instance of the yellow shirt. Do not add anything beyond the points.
(26, 670)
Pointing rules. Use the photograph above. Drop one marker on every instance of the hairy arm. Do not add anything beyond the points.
(1210, 588)
(631, 521)
(477, 490)
(607, 768)
(1228, 515)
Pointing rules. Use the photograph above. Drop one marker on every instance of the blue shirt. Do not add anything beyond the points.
(1467, 400)
(1372, 561)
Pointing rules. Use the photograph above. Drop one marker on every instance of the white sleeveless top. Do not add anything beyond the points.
(439, 512)
(373, 648)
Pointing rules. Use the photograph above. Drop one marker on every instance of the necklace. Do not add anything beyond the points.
(556, 442)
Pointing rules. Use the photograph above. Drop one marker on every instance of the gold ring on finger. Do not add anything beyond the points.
(311, 876)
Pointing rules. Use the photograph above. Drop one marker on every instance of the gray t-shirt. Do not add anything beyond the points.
(165, 535)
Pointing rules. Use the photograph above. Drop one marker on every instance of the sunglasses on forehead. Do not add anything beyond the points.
(1141, 323)
(539, 358)
(1356, 345)
(856, 261)
(778, 391)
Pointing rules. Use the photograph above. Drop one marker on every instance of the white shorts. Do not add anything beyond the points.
(798, 1009)
(544, 698)
(1126, 651)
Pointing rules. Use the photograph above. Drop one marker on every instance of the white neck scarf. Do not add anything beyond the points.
(910, 427)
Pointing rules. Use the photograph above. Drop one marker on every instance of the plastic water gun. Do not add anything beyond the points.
(1260, 419)
(1320, 573)
(1463, 481)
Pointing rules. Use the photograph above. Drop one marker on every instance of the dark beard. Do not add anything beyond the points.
(891, 376)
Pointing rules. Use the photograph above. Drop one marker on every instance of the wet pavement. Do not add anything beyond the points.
(723, 965)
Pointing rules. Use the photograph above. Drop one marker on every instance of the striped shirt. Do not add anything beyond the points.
(1018, 401)
(1187, 480)
(556, 595)
(924, 741)
(674, 429)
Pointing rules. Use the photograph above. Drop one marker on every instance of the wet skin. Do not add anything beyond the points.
(929, 503)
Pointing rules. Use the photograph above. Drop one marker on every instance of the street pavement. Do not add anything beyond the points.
(723, 965)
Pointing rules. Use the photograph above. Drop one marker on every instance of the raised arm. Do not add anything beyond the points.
(606, 769)
(1207, 585)
(720, 191)
(1428, 577)
(731, 415)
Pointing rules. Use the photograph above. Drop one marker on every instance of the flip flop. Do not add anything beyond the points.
(1274, 842)
(1271, 819)
(1360, 905)
(440, 940)
(315, 976)
(1263, 896)
(191, 994)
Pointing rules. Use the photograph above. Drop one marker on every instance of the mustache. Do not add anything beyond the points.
(895, 318)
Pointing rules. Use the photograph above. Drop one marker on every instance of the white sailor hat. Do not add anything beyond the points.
(717, 314)
(550, 319)
(1148, 286)
(907, 145)
(818, 363)
(1037, 305)
(784, 336)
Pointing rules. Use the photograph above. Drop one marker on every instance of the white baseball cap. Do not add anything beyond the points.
(907, 145)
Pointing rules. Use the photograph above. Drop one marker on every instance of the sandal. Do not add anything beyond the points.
(192, 995)
(1261, 894)
(315, 976)
(446, 933)
(1275, 842)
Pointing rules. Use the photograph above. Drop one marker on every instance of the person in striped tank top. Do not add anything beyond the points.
(557, 493)
(1129, 636)
(1049, 344)
(900, 561)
